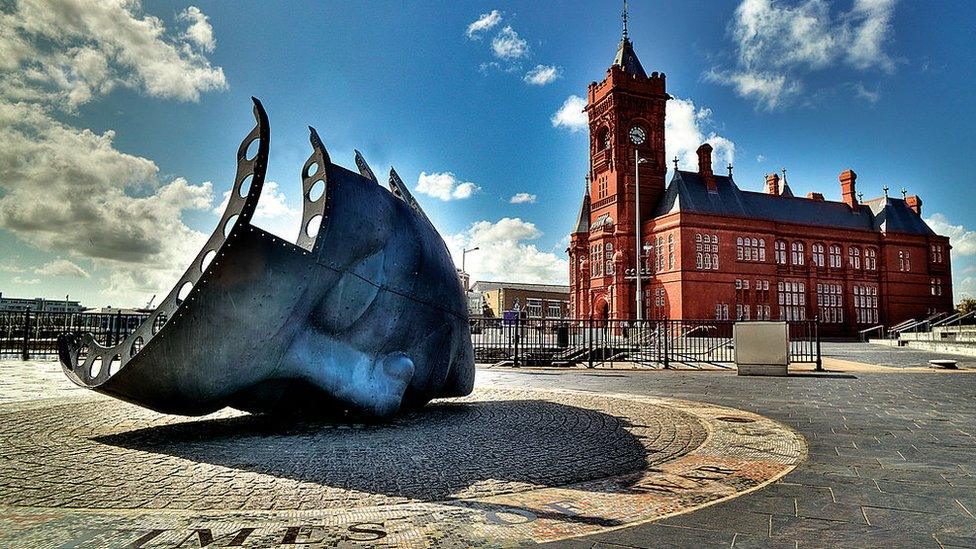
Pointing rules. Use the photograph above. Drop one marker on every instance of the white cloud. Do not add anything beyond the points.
(503, 254)
(965, 288)
(273, 213)
(522, 198)
(508, 45)
(26, 281)
(963, 240)
(777, 44)
(760, 158)
(570, 115)
(445, 186)
(485, 22)
(542, 75)
(68, 52)
(61, 267)
(866, 94)
(769, 90)
(199, 31)
(686, 128)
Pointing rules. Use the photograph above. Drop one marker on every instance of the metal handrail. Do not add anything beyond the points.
(871, 329)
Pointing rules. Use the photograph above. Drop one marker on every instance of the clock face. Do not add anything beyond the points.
(637, 135)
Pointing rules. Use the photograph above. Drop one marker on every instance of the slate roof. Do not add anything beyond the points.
(894, 215)
(627, 60)
(583, 222)
(687, 193)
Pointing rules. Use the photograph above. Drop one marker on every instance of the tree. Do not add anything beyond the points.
(967, 305)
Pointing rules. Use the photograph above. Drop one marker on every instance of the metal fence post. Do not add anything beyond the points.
(667, 328)
(518, 333)
(589, 343)
(25, 352)
(816, 329)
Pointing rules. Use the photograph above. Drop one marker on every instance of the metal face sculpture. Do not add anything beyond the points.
(365, 312)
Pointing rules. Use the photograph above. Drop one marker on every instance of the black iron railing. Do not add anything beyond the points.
(654, 343)
(29, 334)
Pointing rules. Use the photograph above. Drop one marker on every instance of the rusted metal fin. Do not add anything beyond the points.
(364, 169)
(399, 189)
(315, 175)
(88, 363)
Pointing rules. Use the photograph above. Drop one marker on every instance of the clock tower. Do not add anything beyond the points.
(626, 122)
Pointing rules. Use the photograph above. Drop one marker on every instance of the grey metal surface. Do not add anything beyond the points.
(364, 314)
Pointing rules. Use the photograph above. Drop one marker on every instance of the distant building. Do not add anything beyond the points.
(116, 310)
(465, 279)
(38, 304)
(536, 300)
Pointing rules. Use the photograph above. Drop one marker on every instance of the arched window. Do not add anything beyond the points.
(762, 249)
(871, 259)
(819, 258)
(854, 254)
(904, 261)
(740, 250)
(798, 250)
(834, 256)
(780, 251)
(603, 139)
(671, 252)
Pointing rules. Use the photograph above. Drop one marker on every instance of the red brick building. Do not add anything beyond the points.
(711, 249)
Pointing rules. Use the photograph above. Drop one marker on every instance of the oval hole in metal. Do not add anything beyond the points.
(207, 258)
(312, 168)
(245, 186)
(114, 366)
(316, 191)
(252, 148)
(184, 291)
(312, 229)
(96, 367)
(136, 347)
(229, 225)
(159, 322)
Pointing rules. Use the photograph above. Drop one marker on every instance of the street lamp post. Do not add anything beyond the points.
(464, 255)
(637, 136)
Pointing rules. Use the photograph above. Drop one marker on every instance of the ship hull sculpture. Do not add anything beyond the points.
(364, 314)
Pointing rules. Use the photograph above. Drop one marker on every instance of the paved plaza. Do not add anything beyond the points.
(877, 451)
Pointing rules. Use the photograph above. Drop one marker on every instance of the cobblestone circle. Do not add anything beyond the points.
(102, 454)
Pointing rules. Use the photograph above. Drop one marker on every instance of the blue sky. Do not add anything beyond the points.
(119, 125)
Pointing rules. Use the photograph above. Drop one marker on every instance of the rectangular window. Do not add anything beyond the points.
(792, 301)
(554, 310)
(533, 308)
(830, 303)
(866, 304)
(706, 251)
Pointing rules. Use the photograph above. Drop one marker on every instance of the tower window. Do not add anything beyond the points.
(603, 139)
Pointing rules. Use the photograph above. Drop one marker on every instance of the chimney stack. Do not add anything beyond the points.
(847, 191)
(772, 184)
(915, 203)
(705, 167)
(815, 196)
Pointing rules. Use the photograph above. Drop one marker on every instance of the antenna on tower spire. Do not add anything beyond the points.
(625, 20)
